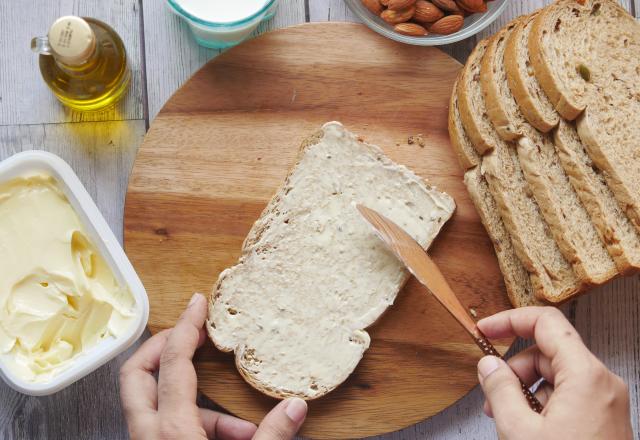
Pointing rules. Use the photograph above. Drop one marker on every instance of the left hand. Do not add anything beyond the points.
(167, 409)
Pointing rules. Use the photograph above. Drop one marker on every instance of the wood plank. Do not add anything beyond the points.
(172, 55)
(331, 10)
(24, 96)
(102, 155)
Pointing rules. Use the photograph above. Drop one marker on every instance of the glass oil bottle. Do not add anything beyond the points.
(84, 63)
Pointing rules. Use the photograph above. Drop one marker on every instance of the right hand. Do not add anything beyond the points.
(582, 399)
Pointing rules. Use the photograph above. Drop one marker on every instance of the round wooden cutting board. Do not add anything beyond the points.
(223, 144)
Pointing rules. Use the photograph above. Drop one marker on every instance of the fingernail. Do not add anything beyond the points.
(487, 366)
(296, 410)
(195, 298)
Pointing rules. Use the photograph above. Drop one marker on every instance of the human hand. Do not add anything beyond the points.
(167, 409)
(582, 399)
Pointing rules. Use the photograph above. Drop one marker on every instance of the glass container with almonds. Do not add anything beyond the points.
(427, 22)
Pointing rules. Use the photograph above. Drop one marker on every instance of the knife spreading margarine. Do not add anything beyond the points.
(58, 296)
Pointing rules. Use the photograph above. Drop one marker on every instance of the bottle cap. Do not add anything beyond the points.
(72, 40)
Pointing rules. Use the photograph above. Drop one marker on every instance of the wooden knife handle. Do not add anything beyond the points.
(489, 350)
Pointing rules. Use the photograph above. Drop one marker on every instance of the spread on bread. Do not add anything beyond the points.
(313, 275)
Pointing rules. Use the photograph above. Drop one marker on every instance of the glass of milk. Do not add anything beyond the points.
(219, 24)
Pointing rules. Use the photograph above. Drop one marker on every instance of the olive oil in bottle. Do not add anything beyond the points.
(84, 63)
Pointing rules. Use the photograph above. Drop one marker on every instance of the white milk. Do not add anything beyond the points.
(222, 11)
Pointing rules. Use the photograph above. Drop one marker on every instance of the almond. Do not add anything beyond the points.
(395, 17)
(447, 25)
(384, 2)
(472, 5)
(447, 5)
(399, 5)
(412, 29)
(427, 12)
(373, 5)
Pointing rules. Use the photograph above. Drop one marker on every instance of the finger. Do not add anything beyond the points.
(555, 336)
(530, 365)
(138, 387)
(177, 381)
(504, 394)
(284, 421)
(226, 427)
(544, 392)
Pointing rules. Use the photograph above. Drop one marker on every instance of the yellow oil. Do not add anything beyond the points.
(99, 82)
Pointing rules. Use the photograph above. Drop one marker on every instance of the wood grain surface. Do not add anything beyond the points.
(220, 148)
(160, 45)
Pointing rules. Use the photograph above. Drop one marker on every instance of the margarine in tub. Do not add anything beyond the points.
(58, 297)
(63, 309)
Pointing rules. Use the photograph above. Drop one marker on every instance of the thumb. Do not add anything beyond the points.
(284, 421)
(504, 394)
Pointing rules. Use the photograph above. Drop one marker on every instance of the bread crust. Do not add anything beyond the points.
(517, 84)
(467, 115)
(467, 156)
(491, 87)
(565, 104)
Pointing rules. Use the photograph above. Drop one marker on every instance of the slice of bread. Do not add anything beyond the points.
(561, 208)
(312, 274)
(552, 276)
(516, 278)
(581, 68)
(615, 229)
(476, 125)
(462, 146)
(501, 107)
(533, 101)
(558, 45)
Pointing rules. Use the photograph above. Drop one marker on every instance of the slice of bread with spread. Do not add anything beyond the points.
(312, 274)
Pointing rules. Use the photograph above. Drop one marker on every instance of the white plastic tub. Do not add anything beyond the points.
(100, 234)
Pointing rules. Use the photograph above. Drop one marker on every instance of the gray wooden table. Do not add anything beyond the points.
(101, 148)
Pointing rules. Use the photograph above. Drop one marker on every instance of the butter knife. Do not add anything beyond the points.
(415, 258)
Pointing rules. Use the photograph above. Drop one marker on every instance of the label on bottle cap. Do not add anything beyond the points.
(72, 40)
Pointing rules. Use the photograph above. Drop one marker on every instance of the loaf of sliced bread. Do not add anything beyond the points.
(516, 278)
(615, 229)
(312, 274)
(580, 67)
(560, 206)
(552, 275)
(533, 101)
